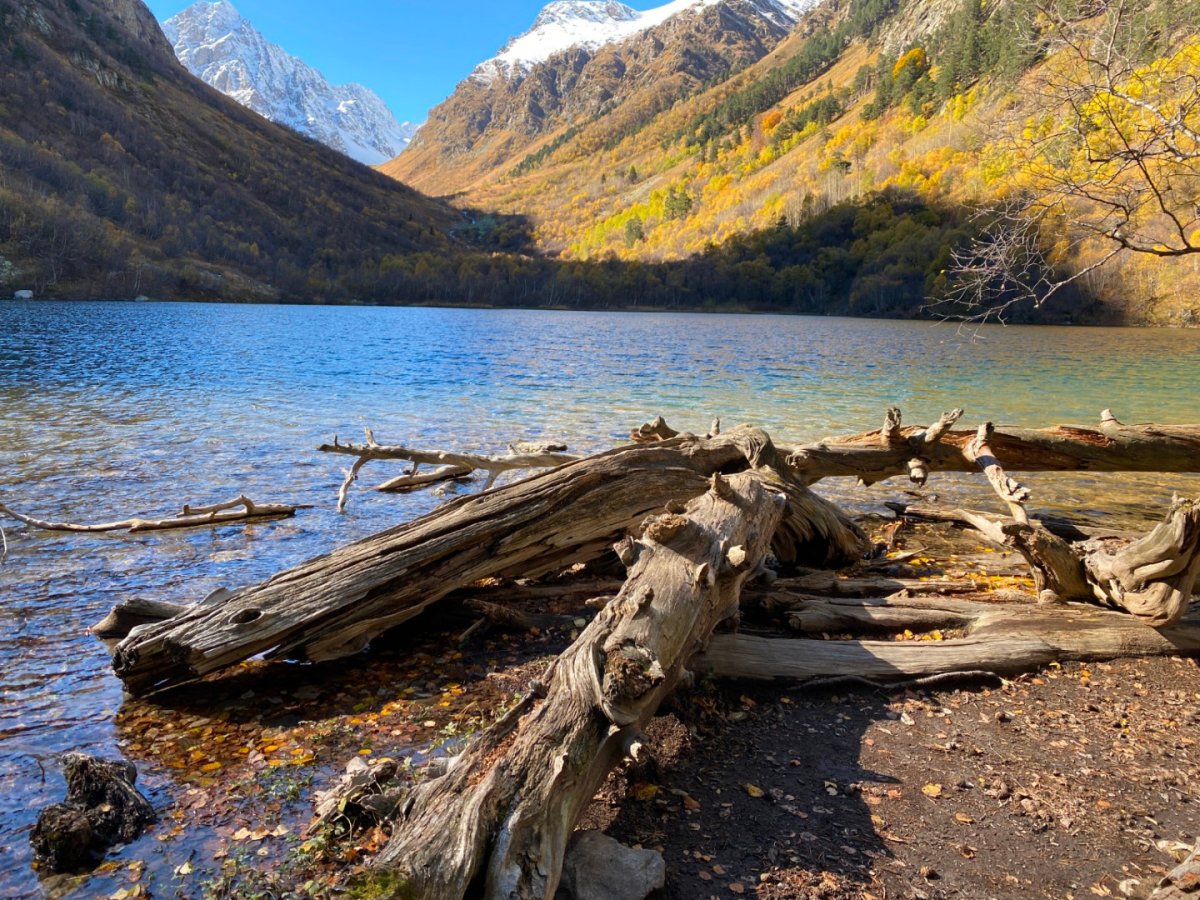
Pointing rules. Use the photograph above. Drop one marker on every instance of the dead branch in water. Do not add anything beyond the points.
(520, 456)
(240, 509)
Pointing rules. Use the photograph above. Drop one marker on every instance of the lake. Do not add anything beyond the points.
(114, 410)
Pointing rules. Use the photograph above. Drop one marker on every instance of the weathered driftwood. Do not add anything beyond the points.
(998, 638)
(333, 605)
(1153, 577)
(240, 509)
(413, 480)
(500, 818)
(520, 456)
(1110, 447)
(129, 614)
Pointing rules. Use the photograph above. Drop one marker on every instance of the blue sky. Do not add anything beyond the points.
(409, 52)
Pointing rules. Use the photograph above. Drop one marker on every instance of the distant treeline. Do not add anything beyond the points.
(885, 256)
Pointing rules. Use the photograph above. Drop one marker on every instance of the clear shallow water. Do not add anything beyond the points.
(110, 410)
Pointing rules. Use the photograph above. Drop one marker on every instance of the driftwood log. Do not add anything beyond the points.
(915, 452)
(240, 509)
(1153, 577)
(1111, 446)
(503, 813)
(335, 604)
(1000, 638)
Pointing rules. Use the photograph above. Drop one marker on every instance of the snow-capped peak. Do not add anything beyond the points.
(576, 23)
(217, 45)
(565, 12)
(217, 19)
(590, 24)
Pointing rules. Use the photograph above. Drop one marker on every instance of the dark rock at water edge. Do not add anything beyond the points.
(102, 808)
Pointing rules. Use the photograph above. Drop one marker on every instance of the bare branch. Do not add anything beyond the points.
(521, 456)
(240, 509)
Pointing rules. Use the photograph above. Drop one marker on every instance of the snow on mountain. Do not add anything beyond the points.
(590, 24)
(217, 45)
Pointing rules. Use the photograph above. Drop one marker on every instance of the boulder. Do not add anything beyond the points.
(599, 868)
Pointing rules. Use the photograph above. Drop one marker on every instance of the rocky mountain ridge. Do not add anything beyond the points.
(223, 49)
(581, 60)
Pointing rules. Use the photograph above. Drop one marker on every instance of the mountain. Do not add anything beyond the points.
(224, 50)
(122, 174)
(829, 160)
(580, 60)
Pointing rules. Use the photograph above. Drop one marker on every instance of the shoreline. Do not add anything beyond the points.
(652, 310)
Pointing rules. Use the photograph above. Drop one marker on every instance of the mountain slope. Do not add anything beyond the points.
(868, 108)
(121, 174)
(582, 60)
(222, 49)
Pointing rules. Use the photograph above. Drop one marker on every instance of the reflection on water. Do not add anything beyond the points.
(109, 410)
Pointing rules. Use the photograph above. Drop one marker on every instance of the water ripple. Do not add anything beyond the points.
(109, 410)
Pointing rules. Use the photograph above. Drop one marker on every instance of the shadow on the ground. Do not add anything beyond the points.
(774, 798)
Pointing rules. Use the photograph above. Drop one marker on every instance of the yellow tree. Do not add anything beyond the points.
(1110, 160)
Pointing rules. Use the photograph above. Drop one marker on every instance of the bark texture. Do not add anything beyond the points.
(501, 817)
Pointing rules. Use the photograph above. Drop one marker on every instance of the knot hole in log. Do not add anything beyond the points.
(245, 616)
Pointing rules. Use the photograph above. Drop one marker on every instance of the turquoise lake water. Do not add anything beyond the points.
(113, 410)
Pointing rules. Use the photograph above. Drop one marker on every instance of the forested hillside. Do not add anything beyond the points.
(120, 175)
(882, 154)
(954, 105)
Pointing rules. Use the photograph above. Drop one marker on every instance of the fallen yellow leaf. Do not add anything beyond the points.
(932, 790)
(645, 791)
(753, 790)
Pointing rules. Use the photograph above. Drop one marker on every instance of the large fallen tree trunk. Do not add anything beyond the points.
(893, 450)
(333, 605)
(502, 815)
